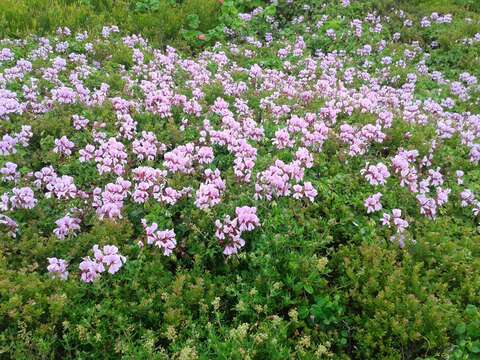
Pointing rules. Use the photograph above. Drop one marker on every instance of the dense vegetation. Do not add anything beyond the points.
(239, 179)
(161, 21)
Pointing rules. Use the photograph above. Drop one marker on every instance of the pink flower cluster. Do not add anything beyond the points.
(147, 147)
(360, 139)
(58, 268)
(373, 204)
(229, 231)
(376, 174)
(468, 199)
(111, 157)
(10, 225)
(210, 192)
(66, 226)
(395, 220)
(8, 143)
(21, 198)
(163, 239)
(9, 172)
(148, 182)
(63, 146)
(182, 158)
(280, 179)
(79, 122)
(109, 202)
(107, 258)
(60, 187)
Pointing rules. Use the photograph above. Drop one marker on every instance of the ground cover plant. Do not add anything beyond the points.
(295, 179)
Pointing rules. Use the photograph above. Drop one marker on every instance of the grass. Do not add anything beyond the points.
(160, 22)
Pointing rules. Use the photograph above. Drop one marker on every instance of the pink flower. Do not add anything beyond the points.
(64, 95)
(164, 240)
(386, 219)
(79, 122)
(110, 257)
(87, 154)
(399, 223)
(9, 172)
(180, 159)
(428, 206)
(372, 203)
(58, 268)
(60, 187)
(10, 224)
(229, 232)
(304, 156)
(63, 146)
(376, 174)
(65, 226)
(247, 218)
(442, 195)
(106, 258)
(111, 157)
(23, 198)
(282, 139)
(459, 174)
(205, 155)
(209, 194)
(109, 202)
(307, 190)
(467, 197)
(147, 147)
(90, 270)
(435, 178)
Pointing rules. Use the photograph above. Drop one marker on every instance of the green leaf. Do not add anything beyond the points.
(303, 312)
(270, 10)
(460, 329)
(193, 21)
(475, 347)
(308, 288)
